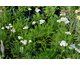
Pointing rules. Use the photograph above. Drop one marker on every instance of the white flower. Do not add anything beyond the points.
(65, 20)
(78, 50)
(63, 43)
(26, 27)
(68, 33)
(21, 49)
(7, 27)
(63, 14)
(59, 21)
(19, 37)
(37, 10)
(29, 9)
(42, 21)
(24, 42)
(13, 30)
(33, 22)
(72, 46)
(30, 41)
(10, 24)
(78, 44)
(2, 28)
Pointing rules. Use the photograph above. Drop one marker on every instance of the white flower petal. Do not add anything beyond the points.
(13, 30)
(68, 33)
(26, 27)
(70, 48)
(24, 42)
(19, 37)
(59, 21)
(33, 22)
(78, 50)
(63, 43)
(29, 9)
(2, 28)
(30, 41)
(63, 14)
(42, 21)
(37, 10)
(73, 46)
(7, 27)
(78, 44)
(10, 24)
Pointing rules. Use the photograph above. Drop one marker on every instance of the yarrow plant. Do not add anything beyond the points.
(42, 21)
(26, 27)
(24, 42)
(33, 33)
(68, 33)
(63, 43)
(37, 10)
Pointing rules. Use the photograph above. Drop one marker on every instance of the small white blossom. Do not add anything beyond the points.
(63, 14)
(21, 49)
(63, 43)
(68, 33)
(24, 42)
(30, 41)
(2, 28)
(42, 21)
(72, 46)
(78, 50)
(19, 37)
(33, 22)
(65, 20)
(78, 44)
(29, 9)
(7, 27)
(59, 21)
(26, 27)
(10, 24)
(37, 10)
(13, 30)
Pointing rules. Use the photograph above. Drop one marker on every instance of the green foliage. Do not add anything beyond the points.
(46, 37)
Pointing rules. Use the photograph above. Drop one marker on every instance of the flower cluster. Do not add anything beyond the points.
(64, 19)
(26, 27)
(24, 42)
(8, 27)
(63, 43)
(29, 9)
(42, 21)
(37, 10)
(68, 33)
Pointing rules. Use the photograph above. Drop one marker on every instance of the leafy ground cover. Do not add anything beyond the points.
(39, 32)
